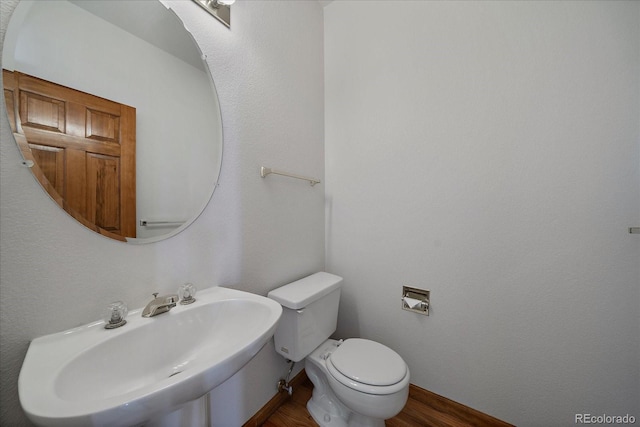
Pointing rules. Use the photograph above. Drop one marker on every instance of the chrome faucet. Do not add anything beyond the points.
(159, 305)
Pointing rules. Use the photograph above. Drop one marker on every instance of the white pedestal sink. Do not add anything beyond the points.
(91, 376)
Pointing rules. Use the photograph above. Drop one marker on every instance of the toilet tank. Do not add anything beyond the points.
(309, 314)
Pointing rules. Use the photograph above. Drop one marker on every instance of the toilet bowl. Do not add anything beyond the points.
(373, 385)
(357, 382)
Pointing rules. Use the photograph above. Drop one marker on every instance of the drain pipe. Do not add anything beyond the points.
(207, 409)
(283, 384)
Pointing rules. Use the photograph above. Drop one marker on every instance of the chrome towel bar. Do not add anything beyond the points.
(147, 223)
(266, 171)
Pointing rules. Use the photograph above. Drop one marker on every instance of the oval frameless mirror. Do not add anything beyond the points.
(112, 104)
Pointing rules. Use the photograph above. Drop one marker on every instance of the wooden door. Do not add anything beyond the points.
(83, 147)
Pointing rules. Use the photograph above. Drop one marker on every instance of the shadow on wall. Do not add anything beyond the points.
(348, 316)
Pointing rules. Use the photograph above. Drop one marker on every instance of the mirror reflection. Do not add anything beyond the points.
(116, 108)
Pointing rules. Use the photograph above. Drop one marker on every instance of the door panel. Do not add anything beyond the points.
(84, 149)
(103, 186)
(102, 126)
(42, 112)
(51, 162)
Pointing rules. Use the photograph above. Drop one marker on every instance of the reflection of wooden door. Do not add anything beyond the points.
(84, 147)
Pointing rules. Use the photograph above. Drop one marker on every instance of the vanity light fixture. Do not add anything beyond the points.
(220, 9)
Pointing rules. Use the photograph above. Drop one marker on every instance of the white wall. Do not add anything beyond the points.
(489, 151)
(255, 235)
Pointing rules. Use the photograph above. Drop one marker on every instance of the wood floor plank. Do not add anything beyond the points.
(303, 392)
(423, 409)
(468, 416)
(421, 414)
(291, 416)
(399, 421)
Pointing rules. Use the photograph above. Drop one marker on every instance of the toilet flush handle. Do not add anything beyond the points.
(300, 310)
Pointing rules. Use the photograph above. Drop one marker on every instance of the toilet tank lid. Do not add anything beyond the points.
(299, 294)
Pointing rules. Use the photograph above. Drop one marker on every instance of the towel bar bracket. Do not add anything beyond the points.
(264, 171)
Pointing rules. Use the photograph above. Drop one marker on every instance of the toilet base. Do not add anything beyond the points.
(323, 415)
(326, 413)
(324, 406)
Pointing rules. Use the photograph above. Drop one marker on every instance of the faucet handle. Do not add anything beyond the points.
(114, 315)
(187, 293)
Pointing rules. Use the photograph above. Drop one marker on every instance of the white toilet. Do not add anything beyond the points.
(357, 382)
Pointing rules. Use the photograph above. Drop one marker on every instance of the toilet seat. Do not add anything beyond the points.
(368, 367)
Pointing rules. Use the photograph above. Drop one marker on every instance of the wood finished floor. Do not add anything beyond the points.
(418, 412)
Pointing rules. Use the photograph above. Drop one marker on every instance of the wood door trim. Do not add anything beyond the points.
(128, 170)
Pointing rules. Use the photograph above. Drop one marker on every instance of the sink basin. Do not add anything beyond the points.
(91, 376)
